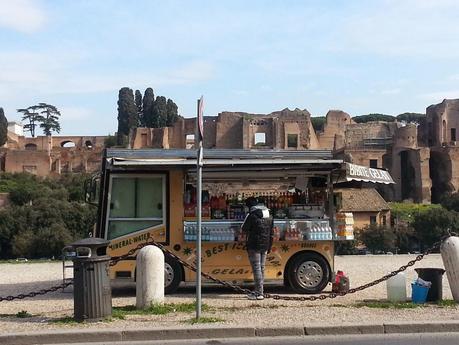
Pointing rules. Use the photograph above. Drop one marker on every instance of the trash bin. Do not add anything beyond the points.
(435, 276)
(419, 293)
(91, 281)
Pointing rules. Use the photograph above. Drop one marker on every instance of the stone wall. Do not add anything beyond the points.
(332, 136)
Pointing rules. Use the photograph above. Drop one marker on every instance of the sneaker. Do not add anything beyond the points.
(260, 297)
(252, 296)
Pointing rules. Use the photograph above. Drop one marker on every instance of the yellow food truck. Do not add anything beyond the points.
(152, 193)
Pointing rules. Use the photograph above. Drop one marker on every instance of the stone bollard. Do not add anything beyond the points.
(449, 250)
(150, 277)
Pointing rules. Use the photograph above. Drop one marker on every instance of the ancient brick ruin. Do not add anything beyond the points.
(420, 157)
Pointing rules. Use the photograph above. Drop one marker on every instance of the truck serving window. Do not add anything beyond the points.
(136, 203)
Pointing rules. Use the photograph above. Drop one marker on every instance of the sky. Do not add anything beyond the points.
(384, 56)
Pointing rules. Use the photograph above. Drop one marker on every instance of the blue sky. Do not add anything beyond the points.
(383, 56)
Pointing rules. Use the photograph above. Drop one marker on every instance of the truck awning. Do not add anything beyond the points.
(356, 172)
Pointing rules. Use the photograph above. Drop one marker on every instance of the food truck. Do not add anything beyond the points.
(151, 193)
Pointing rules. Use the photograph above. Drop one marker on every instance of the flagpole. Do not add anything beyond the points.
(199, 138)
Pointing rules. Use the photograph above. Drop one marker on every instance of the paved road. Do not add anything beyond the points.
(375, 339)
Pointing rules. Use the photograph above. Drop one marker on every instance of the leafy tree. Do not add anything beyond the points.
(148, 103)
(49, 119)
(451, 202)
(110, 141)
(44, 214)
(138, 104)
(410, 117)
(377, 238)
(373, 117)
(345, 247)
(32, 116)
(160, 112)
(406, 212)
(127, 114)
(172, 112)
(318, 122)
(3, 128)
(430, 226)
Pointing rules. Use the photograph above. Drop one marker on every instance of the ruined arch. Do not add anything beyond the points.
(440, 170)
(408, 168)
(31, 147)
(68, 144)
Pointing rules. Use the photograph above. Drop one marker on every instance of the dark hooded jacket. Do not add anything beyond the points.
(258, 225)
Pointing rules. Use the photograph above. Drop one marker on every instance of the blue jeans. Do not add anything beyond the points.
(257, 260)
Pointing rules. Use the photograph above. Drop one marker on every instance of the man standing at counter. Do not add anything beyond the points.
(258, 226)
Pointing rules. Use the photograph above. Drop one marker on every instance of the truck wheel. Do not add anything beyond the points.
(172, 275)
(308, 273)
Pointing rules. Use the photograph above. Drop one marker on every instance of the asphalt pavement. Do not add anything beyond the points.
(387, 333)
(374, 339)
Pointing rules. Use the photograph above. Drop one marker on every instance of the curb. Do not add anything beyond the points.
(113, 335)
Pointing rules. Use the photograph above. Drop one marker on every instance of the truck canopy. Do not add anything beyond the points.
(309, 162)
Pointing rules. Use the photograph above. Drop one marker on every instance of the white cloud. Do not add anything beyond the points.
(22, 15)
(440, 95)
(409, 28)
(57, 72)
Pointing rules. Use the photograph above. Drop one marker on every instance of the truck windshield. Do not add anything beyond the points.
(136, 203)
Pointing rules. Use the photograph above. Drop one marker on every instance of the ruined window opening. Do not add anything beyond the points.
(189, 141)
(88, 144)
(444, 132)
(31, 147)
(372, 220)
(260, 138)
(453, 134)
(143, 139)
(429, 134)
(374, 163)
(292, 140)
(68, 144)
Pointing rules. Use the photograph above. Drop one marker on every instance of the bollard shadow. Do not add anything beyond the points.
(211, 291)
(25, 288)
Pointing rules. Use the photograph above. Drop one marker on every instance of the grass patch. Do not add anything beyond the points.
(251, 306)
(156, 309)
(447, 303)
(23, 314)
(338, 305)
(388, 305)
(204, 320)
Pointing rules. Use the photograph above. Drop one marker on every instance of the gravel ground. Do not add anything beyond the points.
(232, 308)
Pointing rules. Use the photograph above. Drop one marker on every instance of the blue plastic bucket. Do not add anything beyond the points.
(418, 293)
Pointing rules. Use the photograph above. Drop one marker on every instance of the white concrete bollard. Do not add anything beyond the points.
(449, 250)
(150, 277)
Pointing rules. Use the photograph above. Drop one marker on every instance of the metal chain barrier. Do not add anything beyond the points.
(39, 292)
(239, 289)
(150, 241)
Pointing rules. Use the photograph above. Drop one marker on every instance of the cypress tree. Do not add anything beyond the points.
(127, 114)
(148, 102)
(3, 128)
(172, 113)
(138, 104)
(160, 112)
